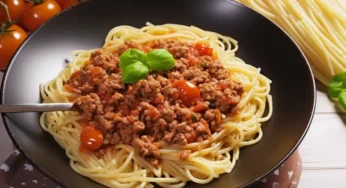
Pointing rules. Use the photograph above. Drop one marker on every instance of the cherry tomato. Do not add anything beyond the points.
(204, 49)
(15, 9)
(35, 15)
(9, 43)
(61, 2)
(91, 139)
(188, 91)
(64, 4)
(70, 3)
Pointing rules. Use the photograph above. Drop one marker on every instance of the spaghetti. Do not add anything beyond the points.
(318, 27)
(122, 166)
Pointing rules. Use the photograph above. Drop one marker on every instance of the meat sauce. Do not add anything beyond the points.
(179, 106)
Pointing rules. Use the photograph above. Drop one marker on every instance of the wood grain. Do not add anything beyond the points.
(323, 146)
(324, 178)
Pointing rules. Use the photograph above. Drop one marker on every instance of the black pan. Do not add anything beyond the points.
(85, 26)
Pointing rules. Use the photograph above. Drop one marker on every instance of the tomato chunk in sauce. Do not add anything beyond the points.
(188, 92)
(204, 49)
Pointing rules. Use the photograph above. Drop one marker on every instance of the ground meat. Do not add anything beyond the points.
(116, 139)
(216, 70)
(177, 49)
(146, 88)
(109, 87)
(89, 104)
(106, 123)
(224, 95)
(127, 45)
(196, 75)
(202, 130)
(152, 110)
(179, 139)
(148, 149)
(106, 61)
(88, 79)
(116, 99)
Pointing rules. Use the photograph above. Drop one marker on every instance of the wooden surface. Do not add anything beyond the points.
(323, 150)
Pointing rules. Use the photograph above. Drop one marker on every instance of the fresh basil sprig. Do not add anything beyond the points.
(134, 72)
(160, 60)
(136, 65)
(337, 88)
(132, 56)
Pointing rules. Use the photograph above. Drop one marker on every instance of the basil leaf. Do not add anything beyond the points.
(131, 56)
(342, 99)
(336, 85)
(134, 72)
(160, 60)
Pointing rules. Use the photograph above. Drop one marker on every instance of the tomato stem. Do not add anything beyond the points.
(5, 7)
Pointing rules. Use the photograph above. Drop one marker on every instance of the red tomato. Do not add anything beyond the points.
(61, 2)
(221, 86)
(15, 9)
(96, 72)
(75, 74)
(193, 60)
(153, 113)
(68, 88)
(64, 4)
(204, 49)
(35, 15)
(191, 137)
(91, 139)
(199, 107)
(70, 3)
(9, 43)
(188, 92)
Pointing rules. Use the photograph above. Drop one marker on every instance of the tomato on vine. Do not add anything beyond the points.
(15, 9)
(11, 37)
(38, 12)
(64, 4)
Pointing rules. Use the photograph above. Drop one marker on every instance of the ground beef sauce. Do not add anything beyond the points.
(179, 106)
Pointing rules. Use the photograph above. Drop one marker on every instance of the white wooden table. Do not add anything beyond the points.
(323, 150)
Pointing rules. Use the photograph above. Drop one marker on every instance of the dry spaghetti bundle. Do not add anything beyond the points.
(317, 26)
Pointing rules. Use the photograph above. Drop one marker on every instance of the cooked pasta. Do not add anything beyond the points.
(201, 158)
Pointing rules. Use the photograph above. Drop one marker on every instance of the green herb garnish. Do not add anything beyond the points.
(203, 64)
(132, 56)
(136, 64)
(134, 72)
(160, 60)
(337, 88)
(194, 117)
